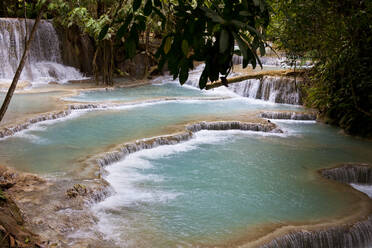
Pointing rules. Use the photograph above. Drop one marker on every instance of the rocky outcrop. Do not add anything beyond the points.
(233, 125)
(77, 49)
(347, 236)
(13, 232)
(350, 173)
(11, 130)
(289, 116)
(136, 67)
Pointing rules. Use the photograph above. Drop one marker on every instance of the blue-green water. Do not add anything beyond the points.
(26, 103)
(221, 184)
(138, 93)
(56, 146)
(216, 187)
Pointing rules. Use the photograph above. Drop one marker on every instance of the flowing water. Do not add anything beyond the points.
(44, 63)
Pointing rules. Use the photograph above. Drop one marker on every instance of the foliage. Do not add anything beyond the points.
(16, 8)
(192, 30)
(207, 31)
(337, 36)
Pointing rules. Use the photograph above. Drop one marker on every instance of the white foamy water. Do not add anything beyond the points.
(271, 89)
(43, 64)
(365, 188)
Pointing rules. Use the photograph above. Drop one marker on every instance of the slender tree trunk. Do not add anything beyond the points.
(13, 86)
(96, 71)
(147, 53)
(111, 81)
(100, 8)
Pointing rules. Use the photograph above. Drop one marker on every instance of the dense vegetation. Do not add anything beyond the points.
(335, 35)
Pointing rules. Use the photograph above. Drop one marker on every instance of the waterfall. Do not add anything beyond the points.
(273, 89)
(350, 173)
(273, 61)
(355, 236)
(43, 64)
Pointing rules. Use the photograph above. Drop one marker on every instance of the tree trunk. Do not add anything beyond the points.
(96, 71)
(100, 8)
(13, 86)
(111, 80)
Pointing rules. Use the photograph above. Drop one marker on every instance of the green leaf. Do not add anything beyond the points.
(262, 49)
(224, 40)
(148, 8)
(161, 15)
(136, 4)
(203, 79)
(213, 15)
(157, 3)
(122, 30)
(244, 13)
(184, 72)
(103, 32)
(141, 21)
(130, 47)
(185, 47)
(168, 44)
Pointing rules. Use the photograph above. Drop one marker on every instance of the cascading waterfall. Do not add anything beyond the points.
(289, 116)
(266, 60)
(128, 148)
(44, 63)
(273, 89)
(350, 173)
(357, 235)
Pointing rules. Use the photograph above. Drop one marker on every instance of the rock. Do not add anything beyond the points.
(77, 48)
(77, 190)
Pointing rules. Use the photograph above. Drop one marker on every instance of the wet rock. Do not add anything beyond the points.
(13, 233)
(350, 173)
(77, 49)
(77, 190)
(306, 116)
